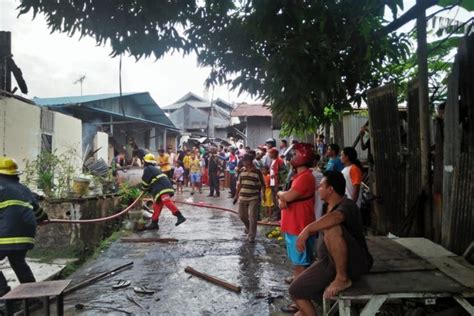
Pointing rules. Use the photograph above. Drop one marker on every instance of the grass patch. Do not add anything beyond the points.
(105, 243)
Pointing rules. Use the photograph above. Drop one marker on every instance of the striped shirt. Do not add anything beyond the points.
(251, 182)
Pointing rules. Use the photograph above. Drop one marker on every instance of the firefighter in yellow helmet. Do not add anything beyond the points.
(159, 186)
(19, 215)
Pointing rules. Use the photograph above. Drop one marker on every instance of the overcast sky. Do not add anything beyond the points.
(51, 63)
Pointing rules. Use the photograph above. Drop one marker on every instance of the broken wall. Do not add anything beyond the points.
(78, 238)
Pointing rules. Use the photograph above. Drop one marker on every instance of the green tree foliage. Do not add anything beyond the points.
(466, 4)
(298, 55)
(445, 36)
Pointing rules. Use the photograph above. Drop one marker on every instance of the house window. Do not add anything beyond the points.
(46, 143)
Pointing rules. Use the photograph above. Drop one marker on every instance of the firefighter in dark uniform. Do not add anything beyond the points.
(159, 186)
(19, 214)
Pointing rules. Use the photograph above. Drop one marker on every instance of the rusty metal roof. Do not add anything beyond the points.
(246, 110)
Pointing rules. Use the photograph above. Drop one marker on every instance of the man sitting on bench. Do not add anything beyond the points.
(342, 252)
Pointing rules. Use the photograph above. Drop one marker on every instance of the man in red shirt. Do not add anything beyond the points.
(297, 207)
(343, 255)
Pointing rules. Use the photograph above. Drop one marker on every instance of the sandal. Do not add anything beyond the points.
(143, 290)
(120, 284)
(290, 308)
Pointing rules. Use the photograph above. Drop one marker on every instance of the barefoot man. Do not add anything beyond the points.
(342, 252)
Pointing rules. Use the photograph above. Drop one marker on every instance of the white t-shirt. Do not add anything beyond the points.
(318, 203)
(352, 174)
(178, 173)
(172, 159)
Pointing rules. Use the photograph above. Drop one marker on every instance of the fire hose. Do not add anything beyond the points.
(128, 208)
(95, 220)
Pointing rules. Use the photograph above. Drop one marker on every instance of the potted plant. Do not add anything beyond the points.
(128, 194)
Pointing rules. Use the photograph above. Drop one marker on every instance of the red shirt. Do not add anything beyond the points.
(300, 213)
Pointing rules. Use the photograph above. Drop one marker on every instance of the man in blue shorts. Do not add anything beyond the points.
(297, 209)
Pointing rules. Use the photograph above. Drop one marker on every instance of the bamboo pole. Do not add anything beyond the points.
(149, 239)
(217, 281)
(96, 278)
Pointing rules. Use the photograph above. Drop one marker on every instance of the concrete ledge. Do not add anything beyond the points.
(41, 270)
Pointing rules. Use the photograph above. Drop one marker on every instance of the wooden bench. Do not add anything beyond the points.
(406, 268)
(40, 290)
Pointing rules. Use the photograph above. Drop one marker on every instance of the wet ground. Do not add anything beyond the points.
(210, 241)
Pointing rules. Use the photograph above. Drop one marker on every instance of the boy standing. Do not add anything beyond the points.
(195, 172)
(249, 186)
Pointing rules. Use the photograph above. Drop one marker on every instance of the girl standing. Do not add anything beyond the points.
(267, 202)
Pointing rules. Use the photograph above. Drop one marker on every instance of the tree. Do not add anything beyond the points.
(299, 56)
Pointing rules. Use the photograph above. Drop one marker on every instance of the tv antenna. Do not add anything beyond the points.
(80, 81)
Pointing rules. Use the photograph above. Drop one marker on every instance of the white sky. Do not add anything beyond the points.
(51, 63)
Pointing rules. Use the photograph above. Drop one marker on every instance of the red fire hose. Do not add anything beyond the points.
(128, 208)
(95, 220)
(202, 204)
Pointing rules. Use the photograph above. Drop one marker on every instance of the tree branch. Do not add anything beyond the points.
(443, 9)
(411, 14)
(450, 34)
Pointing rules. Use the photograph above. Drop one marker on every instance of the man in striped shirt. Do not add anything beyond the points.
(249, 186)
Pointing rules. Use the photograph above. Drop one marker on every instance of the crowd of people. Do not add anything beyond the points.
(313, 190)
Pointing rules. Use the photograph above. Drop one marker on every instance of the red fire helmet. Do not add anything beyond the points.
(303, 153)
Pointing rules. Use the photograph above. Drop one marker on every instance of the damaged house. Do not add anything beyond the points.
(193, 114)
(254, 123)
(108, 120)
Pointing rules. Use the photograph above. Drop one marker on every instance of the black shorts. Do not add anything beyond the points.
(312, 282)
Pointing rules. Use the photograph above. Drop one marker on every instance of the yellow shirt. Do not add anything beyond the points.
(163, 162)
(195, 165)
(187, 162)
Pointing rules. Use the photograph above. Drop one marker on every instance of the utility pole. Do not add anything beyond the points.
(80, 81)
(422, 56)
(210, 119)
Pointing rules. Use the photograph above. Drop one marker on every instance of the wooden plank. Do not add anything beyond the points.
(148, 239)
(373, 305)
(404, 282)
(424, 248)
(412, 225)
(385, 141)
(441, 258)
(37, 289)
(212, 279)
(390, 256)
(465, 304)
(455, 270)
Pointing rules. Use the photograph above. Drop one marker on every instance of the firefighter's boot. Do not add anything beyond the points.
(180, 217)
(152, 226)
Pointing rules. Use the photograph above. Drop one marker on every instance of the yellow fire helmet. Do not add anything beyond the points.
(150, 158)
(8, 166)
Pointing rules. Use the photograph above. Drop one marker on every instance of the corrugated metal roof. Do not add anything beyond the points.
(199, 103)
(188, 117)
(144, 100)
(63, 101)
(246, 109)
